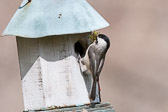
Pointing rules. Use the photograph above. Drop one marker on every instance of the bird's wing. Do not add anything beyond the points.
(92, 59)
(96, 62)
(100, 66)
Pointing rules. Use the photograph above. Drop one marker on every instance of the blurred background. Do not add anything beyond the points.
(134, 78)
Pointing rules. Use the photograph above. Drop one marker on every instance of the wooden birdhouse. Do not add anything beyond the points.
(49, 35)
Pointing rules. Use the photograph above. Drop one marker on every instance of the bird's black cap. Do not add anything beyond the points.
(106, 39)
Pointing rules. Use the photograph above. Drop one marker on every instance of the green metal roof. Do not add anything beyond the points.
(41, 18)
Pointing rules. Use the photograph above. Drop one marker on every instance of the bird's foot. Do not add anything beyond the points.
(78, 58)
(92, 105)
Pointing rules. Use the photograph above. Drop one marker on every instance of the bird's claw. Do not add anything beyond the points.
(78, 58)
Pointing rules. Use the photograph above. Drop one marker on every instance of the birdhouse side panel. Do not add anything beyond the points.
(30, 69)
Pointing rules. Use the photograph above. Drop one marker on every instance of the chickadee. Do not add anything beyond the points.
(93, 61)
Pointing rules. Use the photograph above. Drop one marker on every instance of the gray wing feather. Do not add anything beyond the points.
(92, 60)
(96, 62)
(100, 66)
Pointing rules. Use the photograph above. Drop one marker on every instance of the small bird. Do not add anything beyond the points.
(93, 61)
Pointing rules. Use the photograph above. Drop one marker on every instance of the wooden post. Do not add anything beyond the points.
(104, 107)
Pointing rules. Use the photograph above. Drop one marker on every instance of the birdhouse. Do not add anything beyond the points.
(49, 35)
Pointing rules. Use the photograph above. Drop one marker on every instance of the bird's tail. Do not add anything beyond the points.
(95, 89)
(93, 92)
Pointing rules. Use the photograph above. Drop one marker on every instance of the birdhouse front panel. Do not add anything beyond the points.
(50, 72)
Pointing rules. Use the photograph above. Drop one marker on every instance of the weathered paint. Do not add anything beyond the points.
(50, 72)
(41, 18)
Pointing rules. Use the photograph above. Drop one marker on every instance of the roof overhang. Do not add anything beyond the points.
(41, 18)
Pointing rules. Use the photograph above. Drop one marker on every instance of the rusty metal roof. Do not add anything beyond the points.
(41, 18)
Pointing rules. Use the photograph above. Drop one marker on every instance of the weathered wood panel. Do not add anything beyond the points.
(50, 72)
(30, 68)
